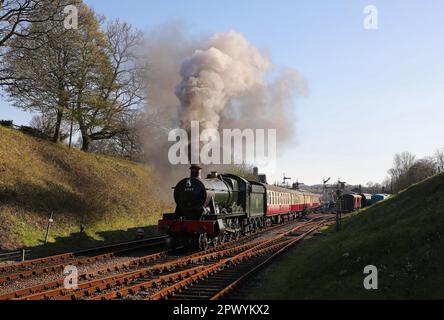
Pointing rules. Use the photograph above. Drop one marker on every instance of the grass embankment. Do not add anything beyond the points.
(38, 178)
(402, 236)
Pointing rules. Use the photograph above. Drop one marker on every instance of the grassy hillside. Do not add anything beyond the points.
(402, 236)
(38, 177)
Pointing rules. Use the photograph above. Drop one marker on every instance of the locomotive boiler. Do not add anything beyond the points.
(196, 197)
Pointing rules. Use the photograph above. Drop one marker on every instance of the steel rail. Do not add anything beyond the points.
(52, 289)
(257, 249)
(79, 261)
(225, 291)
(74, 254)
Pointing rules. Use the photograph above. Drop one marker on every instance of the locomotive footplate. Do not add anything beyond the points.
(212, 227)
(188, 226)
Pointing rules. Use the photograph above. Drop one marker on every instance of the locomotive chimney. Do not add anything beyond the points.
(256, 171)
(195, 171)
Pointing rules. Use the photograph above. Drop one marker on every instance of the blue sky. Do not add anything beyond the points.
(372, 92)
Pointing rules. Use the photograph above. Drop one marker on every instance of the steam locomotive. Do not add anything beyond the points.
(222, 207)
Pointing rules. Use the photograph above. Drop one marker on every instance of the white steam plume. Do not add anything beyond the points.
(228, 68)
(223, 82)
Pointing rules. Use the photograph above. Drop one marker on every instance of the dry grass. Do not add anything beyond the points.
(38, 177)
(402, 236)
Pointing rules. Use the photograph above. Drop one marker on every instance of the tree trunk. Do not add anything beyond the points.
(57, 133)
(85, 144)
(70, 130)
(86, 140)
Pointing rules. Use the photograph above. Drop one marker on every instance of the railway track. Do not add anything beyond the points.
(57, 263)
(146, 276)
(67, 257)
(217, 280)
(231, 281)
(162, 261)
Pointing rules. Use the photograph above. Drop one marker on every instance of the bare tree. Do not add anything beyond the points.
(16, 16)
(90, 78)
(420, 170)
(45, 123)
(119, 90)
(407, 171)
(43, 77)
(127, 143)
(371, 186)
(439, 159)
(388, 185)
(402, 162)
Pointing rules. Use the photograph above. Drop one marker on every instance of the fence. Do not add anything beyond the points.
(20, 255)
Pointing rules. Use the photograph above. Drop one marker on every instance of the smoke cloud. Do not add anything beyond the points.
(222, 81)
(268, 105)
(228, 68)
